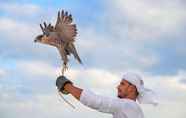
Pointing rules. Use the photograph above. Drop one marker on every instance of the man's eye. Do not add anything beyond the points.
(122, 83)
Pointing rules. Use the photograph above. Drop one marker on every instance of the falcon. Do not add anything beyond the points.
(62, 36)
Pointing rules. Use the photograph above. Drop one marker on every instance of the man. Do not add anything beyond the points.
(130, 90)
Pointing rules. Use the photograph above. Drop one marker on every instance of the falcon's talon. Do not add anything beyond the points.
(63, 71)
(65, 68)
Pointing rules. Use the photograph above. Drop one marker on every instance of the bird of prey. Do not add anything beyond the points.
(62, 36)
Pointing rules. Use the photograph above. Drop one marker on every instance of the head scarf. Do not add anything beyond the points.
(145, 96)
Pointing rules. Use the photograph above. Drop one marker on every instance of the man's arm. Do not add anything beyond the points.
(74, 91)
(88, 98)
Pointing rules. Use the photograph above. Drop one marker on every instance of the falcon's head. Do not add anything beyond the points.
(48, 34)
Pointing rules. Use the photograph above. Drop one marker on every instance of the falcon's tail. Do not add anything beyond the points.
(73, 50)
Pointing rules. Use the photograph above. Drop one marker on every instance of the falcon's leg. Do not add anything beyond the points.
(65, 67)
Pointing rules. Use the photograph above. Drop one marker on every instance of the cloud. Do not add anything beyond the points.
(16, 9)
(148, 19)
(167, 87)
(108, 52)
(36, 68)
(17, 31)
(36, 106)
(183, 80)
(2, 73)
(90, 76)
(146, 40)
(50, 105)
(160, 15)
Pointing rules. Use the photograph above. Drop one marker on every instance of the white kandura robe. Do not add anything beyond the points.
(119, 108)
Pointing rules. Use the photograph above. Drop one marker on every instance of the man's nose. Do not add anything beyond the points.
(117, 86)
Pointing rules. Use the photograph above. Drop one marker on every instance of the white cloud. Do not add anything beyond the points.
(91, 76)
(17, 31)
(36, 68)
(105, 48)
(20, 9)
(49, 105)
(148, 19)
(97, 78)
(2, 73)
(92, 41)
(148, 61)
(167, 16)
(168, 88)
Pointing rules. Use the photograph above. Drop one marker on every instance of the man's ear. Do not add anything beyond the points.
(132, 88)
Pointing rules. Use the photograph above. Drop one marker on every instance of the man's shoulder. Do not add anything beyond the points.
(128, 104)
(130, 108)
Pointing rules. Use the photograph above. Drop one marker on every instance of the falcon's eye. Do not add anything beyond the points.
(46, 33)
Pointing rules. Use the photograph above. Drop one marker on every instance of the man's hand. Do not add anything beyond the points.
(61, 82)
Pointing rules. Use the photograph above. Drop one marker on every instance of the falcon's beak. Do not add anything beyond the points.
(38, 38)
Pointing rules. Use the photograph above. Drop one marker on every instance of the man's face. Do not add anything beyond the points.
(125, 88)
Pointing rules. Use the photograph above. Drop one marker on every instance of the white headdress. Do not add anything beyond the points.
(146, 96)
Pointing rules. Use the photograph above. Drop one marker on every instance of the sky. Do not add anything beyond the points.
(114, 37)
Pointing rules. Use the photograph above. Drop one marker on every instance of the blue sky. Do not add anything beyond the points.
(146, 37)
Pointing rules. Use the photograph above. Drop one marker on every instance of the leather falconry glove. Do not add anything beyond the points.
(61, 82)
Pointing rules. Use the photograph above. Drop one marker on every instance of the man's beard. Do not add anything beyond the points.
(123, 96)
(119, 96)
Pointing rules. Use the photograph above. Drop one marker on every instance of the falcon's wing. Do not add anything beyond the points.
(64, 26)
(47, 28)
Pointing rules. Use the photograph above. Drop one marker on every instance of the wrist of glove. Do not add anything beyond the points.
(61, 82)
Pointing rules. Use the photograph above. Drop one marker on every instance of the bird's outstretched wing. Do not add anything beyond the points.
(64, 27)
